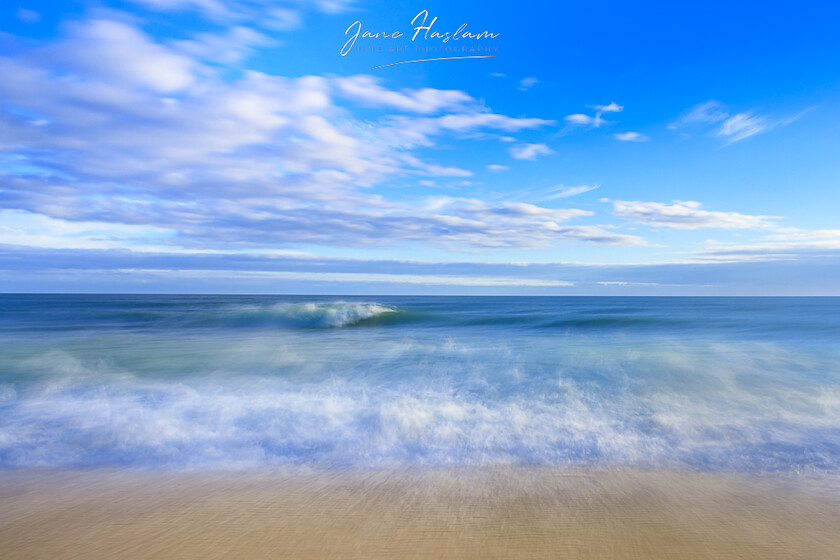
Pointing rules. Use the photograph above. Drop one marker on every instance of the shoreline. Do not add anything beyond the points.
(488, 512)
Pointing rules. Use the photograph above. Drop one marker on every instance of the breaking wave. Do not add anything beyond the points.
(316, 315)
(222, 382)
(718, 407)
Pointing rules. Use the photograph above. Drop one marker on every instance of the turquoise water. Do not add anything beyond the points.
(221, 382)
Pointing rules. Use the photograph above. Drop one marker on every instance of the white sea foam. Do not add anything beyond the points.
(334, 314)
(86, 415)
(7, 392)
(231, 397)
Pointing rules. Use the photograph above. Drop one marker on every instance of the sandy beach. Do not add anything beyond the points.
(456, 513)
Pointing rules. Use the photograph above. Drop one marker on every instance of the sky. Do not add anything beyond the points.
(472, 148)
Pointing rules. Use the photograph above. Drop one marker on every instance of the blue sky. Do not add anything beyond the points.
(604, 149)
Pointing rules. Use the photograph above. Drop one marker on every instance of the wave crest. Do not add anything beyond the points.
(315, 315)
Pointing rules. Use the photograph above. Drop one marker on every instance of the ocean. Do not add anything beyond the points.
(185, 383)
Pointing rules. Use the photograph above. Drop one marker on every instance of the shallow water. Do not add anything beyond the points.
(219, 382)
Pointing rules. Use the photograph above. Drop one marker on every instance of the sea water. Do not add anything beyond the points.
(231, 382)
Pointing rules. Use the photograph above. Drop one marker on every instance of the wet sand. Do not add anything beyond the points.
(457, 513)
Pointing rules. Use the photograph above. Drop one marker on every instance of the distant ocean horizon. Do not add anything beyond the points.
(219, 382)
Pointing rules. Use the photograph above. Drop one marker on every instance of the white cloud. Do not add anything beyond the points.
(530, 151)
(579, 119)
(334, 6)
(563, 191)
(709, 112)
(685, 215)
(550, 193)
(495, 168)
(631, 137)
(147, 137)
(713, 118)
(797, 234)
(613, 107)
(624, 283)
(265, 13)
(104, 112)
(227, 49)
(410, 131)
(468, 121)
(116, 52)
(457, 222)
(344, 277)
(527, 83)
(282, 19)
(785, 243)
(207, 6)
(368, 91)
(740, 126)
(35, 230)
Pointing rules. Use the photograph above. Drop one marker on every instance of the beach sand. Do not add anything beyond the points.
(454, 513)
